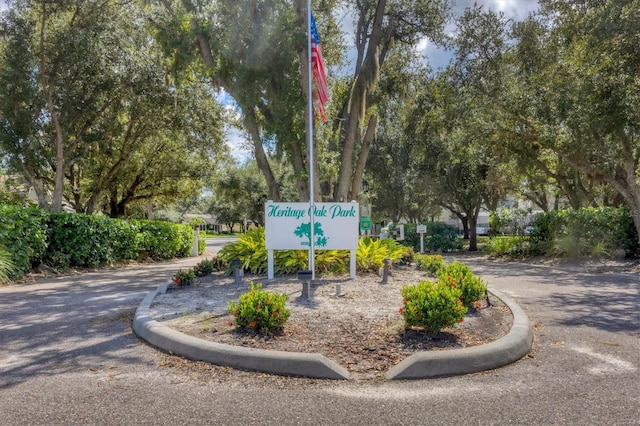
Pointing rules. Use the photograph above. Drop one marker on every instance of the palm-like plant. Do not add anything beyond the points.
(6, 265)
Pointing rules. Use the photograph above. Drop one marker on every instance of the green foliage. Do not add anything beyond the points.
(6, 266)
(129, 135)
(439, 237)
(290, 261)
(371, 253)
(164, 240)
(260, 310)
(509, 221)
(431, 306)
(61, 239)
(78, 240)
(184, 277)
(588, 231)
(460, 276)
(332, 261)
(208, 266)
(431, 264)
(326, 261)
(125, 238)
(509, 246)
(250, 249)
(23, 231)
(87, 240)
(14, 198)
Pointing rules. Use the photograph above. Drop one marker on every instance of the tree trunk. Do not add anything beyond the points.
(47, 89)
(628, 188)
(472, 219)
(369, 136)
(364, 82)
(37, 186)
(261, 157)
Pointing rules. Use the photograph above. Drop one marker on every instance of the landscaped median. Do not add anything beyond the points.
(424, 364)
(275, 362)
(506, 350)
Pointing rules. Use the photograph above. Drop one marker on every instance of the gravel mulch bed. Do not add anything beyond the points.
(358, 327)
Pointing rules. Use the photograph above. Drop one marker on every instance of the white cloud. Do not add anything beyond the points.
(238, 144)
(513, 9)
(516, 10)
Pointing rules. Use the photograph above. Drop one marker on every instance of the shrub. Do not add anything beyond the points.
(184, 277)
(459, 275)
(125, 239)
(23, 231)
(208, 266)
(250, 249)
(371, 253)
(290, 261)
(440, 237)
(260, 310)
(431, 306)
(6, 266)
(165, 240)
(509, 246)
(589, 231)
(79, 240)
(332, 261)
(431, 264)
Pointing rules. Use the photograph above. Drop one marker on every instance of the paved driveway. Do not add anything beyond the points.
(67, 356)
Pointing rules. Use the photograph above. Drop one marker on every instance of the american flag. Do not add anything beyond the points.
(319, 73)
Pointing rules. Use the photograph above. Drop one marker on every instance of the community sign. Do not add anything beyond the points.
(288, 226)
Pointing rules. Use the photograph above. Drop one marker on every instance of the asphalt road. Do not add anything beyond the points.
(67, 356)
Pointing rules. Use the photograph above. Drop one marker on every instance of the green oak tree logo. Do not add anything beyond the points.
(304, 230)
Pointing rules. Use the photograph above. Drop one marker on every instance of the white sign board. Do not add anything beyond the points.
(288, 226)
(422, 229)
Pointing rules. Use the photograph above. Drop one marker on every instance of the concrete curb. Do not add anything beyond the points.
(422, 365)
(506, 350)
(276, 362)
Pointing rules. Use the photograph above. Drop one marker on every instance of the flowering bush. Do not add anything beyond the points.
(431, 306)
(459, 275)
(429, 263)
(260, 310)
(184, 277)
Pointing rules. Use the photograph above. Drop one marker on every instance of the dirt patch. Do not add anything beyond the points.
(356, 323)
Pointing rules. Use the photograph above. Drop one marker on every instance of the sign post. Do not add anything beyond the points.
(422, 229)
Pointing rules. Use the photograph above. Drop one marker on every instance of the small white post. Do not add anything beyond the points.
(352, 265)
(194, 247)
(270, 264)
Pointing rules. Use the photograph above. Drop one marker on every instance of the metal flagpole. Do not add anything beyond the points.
(310, 156)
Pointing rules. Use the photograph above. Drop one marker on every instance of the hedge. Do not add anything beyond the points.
(23, 232)
(63, 240)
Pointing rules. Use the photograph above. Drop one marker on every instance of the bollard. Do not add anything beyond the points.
(305, 277)
(235, 264)
(386, 270)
